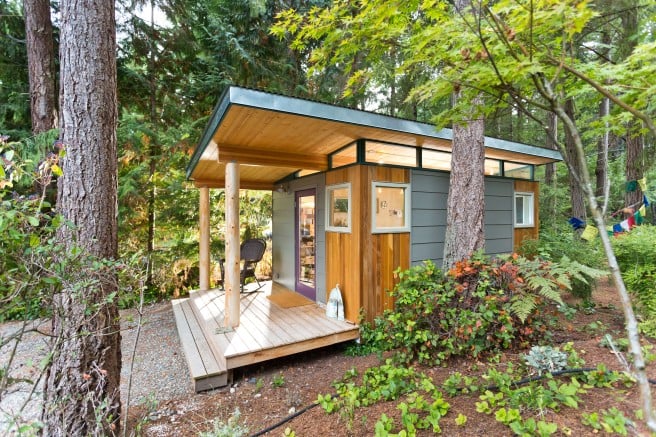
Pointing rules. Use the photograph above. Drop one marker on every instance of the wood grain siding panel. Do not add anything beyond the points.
(361, 262)
(388, 251)
(343, 252)
(520, 234)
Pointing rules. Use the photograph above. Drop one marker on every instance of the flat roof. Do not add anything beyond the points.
(273, 135)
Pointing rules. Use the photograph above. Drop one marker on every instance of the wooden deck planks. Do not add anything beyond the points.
(266, 331)
(208, 370)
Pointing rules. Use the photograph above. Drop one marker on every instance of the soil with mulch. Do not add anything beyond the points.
(267, 393)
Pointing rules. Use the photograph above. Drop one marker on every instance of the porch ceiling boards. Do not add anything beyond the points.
(266, 331)
(272, 136)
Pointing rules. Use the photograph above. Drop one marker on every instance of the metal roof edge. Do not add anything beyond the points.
(525, 149)
(309, 108)
(217, 115)
(235, 95)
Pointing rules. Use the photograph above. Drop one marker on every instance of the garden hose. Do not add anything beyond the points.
(489, 387)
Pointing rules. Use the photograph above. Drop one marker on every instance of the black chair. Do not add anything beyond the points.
(251, 252)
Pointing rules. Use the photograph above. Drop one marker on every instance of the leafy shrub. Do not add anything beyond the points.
(558, 242)
(481, 305)
(636, 255)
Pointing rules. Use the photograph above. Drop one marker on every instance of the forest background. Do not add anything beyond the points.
(174, 62)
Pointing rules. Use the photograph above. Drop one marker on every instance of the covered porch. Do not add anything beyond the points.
(274, 322)
(304, 152)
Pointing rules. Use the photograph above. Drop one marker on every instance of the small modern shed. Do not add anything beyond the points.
(356, 195)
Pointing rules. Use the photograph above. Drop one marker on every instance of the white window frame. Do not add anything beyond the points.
(528, 212)
(374, 205)
(329, 227)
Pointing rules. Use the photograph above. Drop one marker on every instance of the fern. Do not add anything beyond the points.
(546, 280)
(522, 306)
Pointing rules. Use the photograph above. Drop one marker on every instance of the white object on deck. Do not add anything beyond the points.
(335, 307)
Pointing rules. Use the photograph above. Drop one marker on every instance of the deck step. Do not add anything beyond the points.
(208, 369)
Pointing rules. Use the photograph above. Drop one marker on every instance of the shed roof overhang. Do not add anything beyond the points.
(272, 136)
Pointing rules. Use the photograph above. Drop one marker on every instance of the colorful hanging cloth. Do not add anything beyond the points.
(631, 221)
(639, 219)
(631, 186)
(643, 184)
(576, 223)
(589, 233)
(645, 200)
(617, 229)
(625, 226)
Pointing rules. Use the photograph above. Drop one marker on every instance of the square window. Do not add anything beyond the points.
(524, 217)
(338, 208)
(390, 207)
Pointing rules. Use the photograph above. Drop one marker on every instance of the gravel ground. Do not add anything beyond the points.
(159, 370)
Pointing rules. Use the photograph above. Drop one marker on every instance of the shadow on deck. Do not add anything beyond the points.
(269, 328)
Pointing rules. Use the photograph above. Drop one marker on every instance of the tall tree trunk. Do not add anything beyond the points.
(550, 169)
(552, 135)
(602, 187)
(575, 190)
(634, 163)
(153, 153)
(466, 200)
(82, 395)
(41, 64)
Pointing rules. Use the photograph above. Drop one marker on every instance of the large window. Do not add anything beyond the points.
(517, 171)
(345, 156)
(436, 159)
(390, 207)
(390, 154)
(338, 208)
(524, 216)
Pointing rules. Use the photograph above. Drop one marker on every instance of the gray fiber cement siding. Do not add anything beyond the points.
(429, 197)
(283, 246)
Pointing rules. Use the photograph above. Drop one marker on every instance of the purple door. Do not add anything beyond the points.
(305, 243)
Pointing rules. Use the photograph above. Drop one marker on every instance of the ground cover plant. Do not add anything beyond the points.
(480, 306)
(570, 384)
(636, 256)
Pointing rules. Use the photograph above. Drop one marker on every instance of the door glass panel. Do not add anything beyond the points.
(306, 241)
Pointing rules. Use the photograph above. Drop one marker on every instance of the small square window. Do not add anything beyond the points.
(524, 216)
(390, 207)
(338, 208)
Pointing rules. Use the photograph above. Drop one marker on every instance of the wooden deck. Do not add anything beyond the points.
(266, 331)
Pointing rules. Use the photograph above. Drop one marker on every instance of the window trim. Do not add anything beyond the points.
(329, 208)
(531, 209)
(407, 205)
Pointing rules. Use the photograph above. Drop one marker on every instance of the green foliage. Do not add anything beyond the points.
(278, 380)
(231, 428)
(422, 408)
(636, 255)
(480, 306)
(611, 421)
(559, 242)
(546, 359)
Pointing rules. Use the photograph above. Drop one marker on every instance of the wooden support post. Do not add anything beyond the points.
(231, 281)
(204, 243)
